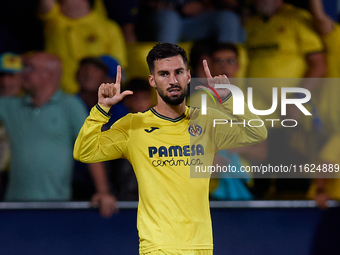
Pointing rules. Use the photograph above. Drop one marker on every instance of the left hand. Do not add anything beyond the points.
(107, 203)
(220, 79)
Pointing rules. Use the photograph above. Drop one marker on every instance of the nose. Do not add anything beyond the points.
(173, 79)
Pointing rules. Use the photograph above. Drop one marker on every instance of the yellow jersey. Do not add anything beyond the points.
(327, 96)
(74, 39)
(277, 47)
(331, 41)
(173, 210)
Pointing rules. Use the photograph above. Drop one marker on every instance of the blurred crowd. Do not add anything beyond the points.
(47, 89)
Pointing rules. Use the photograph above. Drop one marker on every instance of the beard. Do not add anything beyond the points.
(173, 100)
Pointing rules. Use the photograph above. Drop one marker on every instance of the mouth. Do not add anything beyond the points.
(174, 91)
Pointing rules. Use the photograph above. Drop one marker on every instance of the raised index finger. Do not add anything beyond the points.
(206, 69)
(119, 74)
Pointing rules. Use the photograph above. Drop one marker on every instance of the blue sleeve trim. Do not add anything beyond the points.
(107, 114)
(226, 99)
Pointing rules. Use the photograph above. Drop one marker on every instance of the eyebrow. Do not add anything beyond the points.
(180, 69)
(166, 71)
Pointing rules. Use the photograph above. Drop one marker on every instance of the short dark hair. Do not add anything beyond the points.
(224, 46)
(164, 50)
(97, 62)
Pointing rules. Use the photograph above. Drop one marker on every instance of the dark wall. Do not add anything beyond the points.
(20, 18)
(82, 231)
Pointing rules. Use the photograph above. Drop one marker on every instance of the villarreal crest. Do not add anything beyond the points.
(195, 130)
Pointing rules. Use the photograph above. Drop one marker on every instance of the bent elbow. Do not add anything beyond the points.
(76, 155)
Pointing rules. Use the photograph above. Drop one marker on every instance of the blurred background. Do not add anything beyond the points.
(58, 52)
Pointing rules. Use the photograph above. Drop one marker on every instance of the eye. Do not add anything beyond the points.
(164, 74)
(179, 72)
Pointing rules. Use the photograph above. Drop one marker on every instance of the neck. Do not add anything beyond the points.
(170, 111)
(75, 13)
(278, 9)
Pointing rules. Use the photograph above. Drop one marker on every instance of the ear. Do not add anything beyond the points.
(189, 76)
(152, 81)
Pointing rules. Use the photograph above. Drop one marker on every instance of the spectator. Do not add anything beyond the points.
(327, 234)
(282, 43)
(10, 85)
(327, 102)
(73, 31)
(224, 59)
(141, 99)
(10, 74)
(91, 73)
(42, 133)
(175, 21)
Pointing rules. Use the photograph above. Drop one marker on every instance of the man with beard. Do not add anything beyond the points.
(161, 144)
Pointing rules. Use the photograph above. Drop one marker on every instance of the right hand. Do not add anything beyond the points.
(109, 93)
(321, 200)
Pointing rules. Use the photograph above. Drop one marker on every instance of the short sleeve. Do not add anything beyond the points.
(309, 40)
(331, 40)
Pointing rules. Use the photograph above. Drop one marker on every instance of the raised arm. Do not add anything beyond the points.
(46, 5)
(322, 21)
(240, 133)
(93, 145)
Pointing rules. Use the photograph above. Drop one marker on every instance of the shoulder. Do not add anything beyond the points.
(70, 99)
(9, 106)
(71, 103)
(294, 13)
